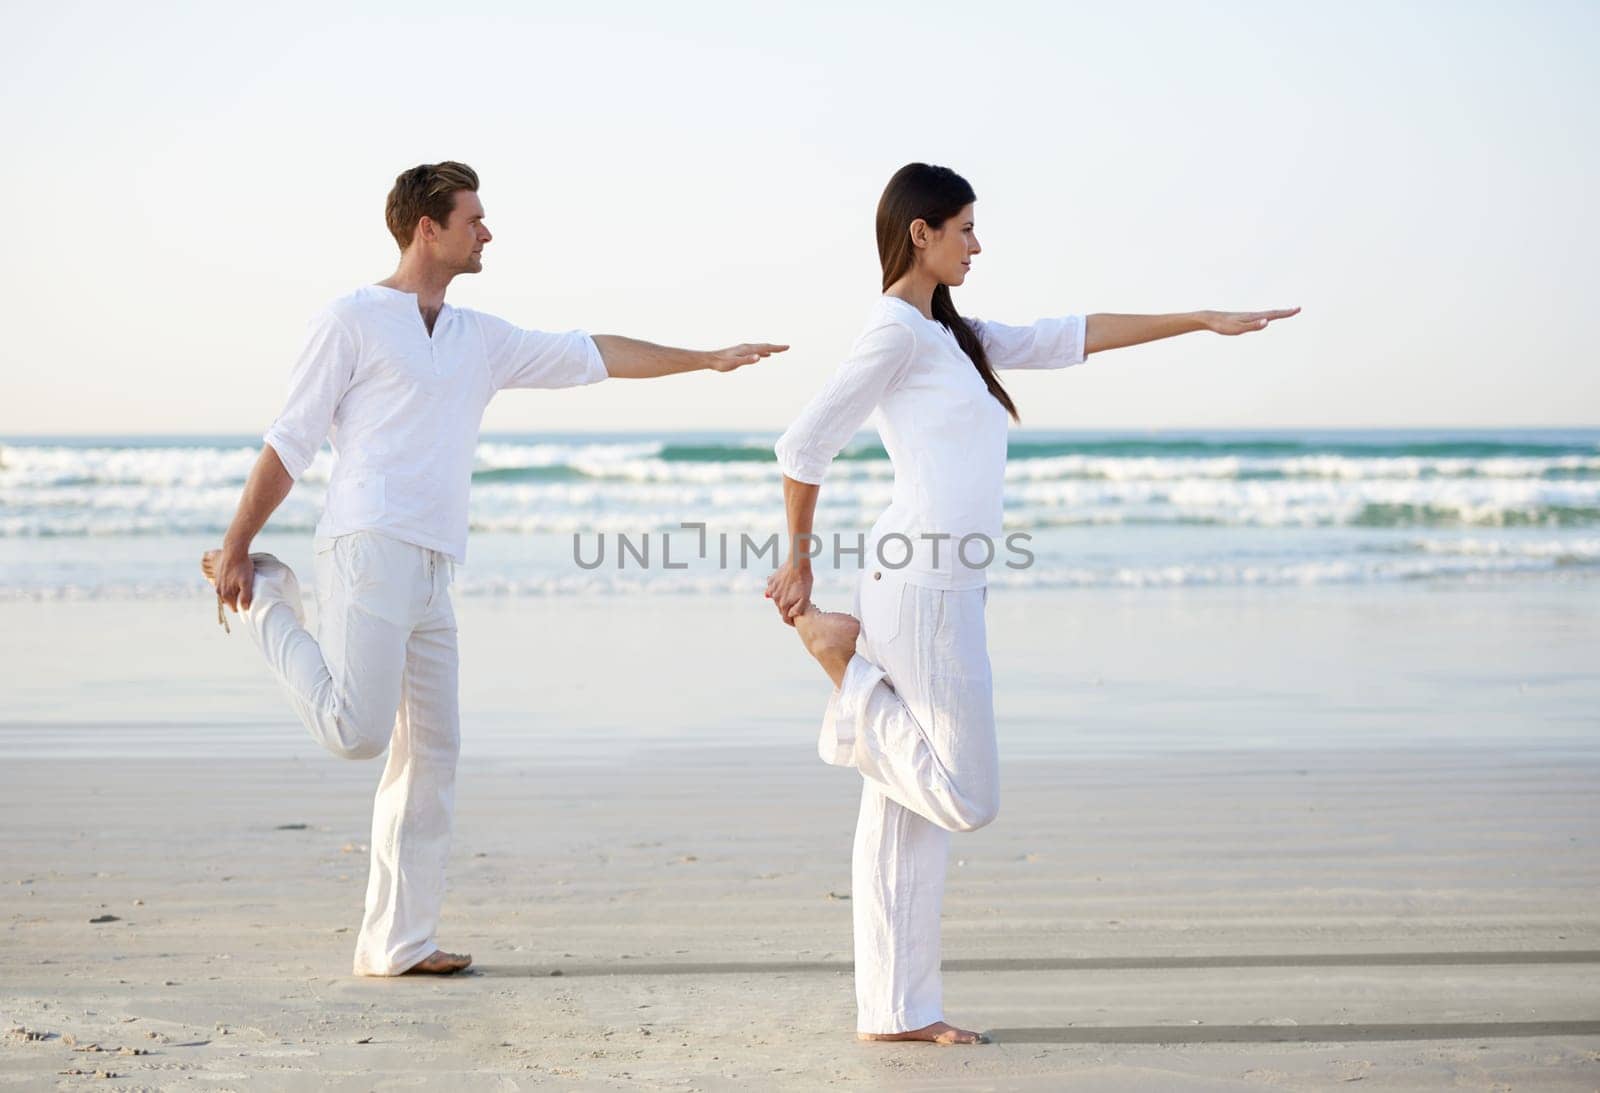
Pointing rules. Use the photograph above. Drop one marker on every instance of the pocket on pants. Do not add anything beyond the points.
(957, 634)
(882, 596)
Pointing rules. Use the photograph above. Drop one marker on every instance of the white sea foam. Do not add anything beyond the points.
(34, 466)
(653, 503)
(107, 521)
(1558, 550)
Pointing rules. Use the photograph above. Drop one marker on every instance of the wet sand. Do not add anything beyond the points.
(1194, 907)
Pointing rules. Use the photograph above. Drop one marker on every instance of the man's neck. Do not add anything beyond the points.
(428, 284)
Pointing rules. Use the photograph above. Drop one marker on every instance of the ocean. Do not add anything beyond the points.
(105, 517)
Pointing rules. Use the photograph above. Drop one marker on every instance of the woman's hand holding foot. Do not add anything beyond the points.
(789, 589)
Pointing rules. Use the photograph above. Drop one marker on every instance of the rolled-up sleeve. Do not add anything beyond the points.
(877, 362)
(1048, 343)
(534, 358)
(320, 379)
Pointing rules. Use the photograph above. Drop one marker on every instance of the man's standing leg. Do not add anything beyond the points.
(413, 811)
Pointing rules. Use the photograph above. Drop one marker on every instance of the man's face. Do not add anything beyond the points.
(459, 246)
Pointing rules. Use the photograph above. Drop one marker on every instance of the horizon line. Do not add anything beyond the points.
(157, 434)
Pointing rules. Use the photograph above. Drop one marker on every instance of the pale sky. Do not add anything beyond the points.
(188, 184)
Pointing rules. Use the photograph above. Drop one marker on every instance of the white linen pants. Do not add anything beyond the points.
(915, 715)
(381, 671)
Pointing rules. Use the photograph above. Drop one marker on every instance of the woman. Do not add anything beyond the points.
(914, 713)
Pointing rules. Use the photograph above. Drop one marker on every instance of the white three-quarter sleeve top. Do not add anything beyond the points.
(944, 432)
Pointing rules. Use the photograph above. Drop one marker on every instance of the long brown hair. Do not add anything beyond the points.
(933, 195)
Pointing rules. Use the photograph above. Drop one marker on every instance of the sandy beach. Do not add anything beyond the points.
(1279, 839)
(1266, 408)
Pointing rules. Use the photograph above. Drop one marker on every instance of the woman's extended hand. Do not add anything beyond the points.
(789, 589)
(1243, 322)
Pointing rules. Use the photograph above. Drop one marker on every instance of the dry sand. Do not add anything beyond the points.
(1396, 915)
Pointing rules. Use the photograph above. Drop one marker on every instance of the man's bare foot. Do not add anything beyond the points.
(208, 565)
(937, 1033)
(830, 636)
(440, 962)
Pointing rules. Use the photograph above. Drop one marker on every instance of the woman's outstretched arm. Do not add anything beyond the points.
(1105, 331)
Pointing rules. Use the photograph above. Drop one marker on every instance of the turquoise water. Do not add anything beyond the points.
(125, 517)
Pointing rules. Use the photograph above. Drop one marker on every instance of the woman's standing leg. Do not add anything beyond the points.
(923, 735)
(897, 891)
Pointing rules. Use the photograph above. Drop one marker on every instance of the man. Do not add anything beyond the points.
(400, 379)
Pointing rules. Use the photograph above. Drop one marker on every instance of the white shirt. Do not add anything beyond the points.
(403, 408)
(944, 432)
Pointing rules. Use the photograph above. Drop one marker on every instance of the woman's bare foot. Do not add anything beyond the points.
(830, 636)
(937, 1033)
(440, 962)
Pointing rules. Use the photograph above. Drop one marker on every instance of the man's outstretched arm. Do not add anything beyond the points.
(629, 358)
(269, 483)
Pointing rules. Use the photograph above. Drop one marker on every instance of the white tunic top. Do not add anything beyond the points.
(944, 432)
(403, 408)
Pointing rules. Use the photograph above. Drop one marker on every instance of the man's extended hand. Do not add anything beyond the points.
(737, 356)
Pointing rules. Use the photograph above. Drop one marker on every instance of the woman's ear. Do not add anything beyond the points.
(919, 233)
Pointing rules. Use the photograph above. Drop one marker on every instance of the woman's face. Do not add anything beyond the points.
(946, 252)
